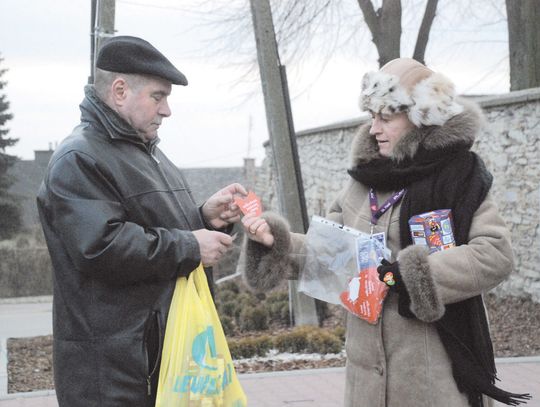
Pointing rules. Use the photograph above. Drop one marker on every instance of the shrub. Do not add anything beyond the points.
(229, 286)
(309, 339)
(249, 347)
(277, 297)
(246, 299)
(253, 319)
(25, 272)
(278, 308)
(227, 324)
(223, 296)
(321, 341)
(228, 308)
(295, 341)
(339, 331)
(302, 339)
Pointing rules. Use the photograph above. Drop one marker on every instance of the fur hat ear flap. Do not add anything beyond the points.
(434, 101)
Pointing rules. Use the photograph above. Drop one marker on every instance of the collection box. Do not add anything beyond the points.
(433, 229)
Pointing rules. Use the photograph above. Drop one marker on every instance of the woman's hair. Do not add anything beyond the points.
(104, 79)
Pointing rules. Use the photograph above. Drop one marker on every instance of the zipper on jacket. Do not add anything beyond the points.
(154, 316)
(155, 158)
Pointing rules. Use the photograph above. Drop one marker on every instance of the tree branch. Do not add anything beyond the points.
(423, 32)
(370, 16)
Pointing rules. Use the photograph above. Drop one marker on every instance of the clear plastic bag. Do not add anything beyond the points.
(341, 268)
(365, 293)
(330, 259)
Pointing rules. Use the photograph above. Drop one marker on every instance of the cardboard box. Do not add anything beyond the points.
(433, 229)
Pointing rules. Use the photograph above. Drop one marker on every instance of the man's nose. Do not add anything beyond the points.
(164, 109)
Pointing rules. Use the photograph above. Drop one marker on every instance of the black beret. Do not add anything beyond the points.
(126, 54)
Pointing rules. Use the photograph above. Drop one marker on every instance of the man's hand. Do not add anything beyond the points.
(258, 230)
(220, 210)
(212, 245)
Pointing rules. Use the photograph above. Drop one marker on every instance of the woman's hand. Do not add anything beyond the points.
(258, 230)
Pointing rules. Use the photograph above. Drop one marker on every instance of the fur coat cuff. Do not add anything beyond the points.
(416, 275)
(264, 268)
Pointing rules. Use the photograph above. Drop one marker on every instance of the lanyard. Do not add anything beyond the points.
(377, 212)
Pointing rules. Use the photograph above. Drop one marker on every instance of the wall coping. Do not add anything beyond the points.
(344, 124)
(520, 96)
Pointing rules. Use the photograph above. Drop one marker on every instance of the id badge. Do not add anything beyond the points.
(381, 237)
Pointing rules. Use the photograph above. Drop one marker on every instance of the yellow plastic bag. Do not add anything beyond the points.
(196, 365)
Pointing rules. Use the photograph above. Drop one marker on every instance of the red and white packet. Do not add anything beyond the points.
(250, 205)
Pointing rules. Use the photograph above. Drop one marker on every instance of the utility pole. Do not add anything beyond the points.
(102, 27)
(283, 142)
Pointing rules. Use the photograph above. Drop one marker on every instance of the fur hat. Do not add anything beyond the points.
(126, 54)
(406, 85)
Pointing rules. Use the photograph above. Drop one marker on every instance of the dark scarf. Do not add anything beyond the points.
(457, 179)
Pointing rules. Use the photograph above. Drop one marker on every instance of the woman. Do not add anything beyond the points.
(431, 347)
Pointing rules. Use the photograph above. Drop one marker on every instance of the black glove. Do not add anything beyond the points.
(390, 275)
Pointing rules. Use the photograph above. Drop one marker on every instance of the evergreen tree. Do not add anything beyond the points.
(10, 217)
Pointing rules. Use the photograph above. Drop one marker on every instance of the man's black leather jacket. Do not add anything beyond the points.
(117, 216)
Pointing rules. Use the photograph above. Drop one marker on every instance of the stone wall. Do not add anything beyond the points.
(511, 149)
(509, 145)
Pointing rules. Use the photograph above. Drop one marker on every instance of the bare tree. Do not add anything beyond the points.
(385, 27)
(330, 25)
(316, 32)
(524, 43)
(425, 29)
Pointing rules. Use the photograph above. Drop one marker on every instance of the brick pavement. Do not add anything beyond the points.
(301, 388)
(323, 387)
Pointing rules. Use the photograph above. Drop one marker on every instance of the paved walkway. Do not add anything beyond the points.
(319, 387)
(301, 388)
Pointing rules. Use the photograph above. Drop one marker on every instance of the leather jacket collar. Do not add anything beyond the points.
(94, 110)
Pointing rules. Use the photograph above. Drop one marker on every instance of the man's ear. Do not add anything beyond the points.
(119, 90)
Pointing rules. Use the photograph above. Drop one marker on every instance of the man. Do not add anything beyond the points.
(121, 226)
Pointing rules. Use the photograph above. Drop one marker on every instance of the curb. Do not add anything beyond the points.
(27, 395)
(27, 300)
(255, 376)
(3, 367)
(298, 372)
(518, 359)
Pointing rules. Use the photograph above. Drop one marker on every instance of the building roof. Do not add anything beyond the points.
(206, 181)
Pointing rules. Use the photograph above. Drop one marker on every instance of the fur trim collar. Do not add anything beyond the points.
(460, 129)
